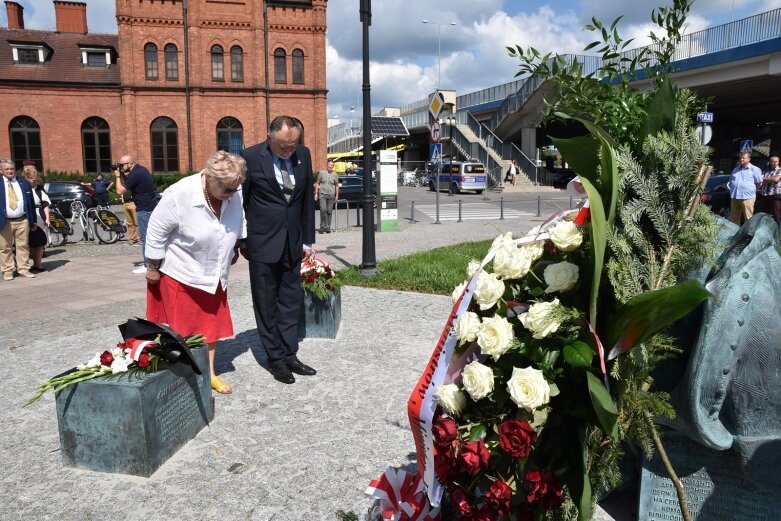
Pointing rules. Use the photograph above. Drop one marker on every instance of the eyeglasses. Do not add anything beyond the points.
(227, 190)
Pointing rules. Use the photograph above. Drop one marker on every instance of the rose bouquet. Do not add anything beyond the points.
(132, 355)
(318, 278)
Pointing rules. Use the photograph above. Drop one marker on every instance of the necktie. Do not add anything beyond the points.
(12, 200)
(287, 183)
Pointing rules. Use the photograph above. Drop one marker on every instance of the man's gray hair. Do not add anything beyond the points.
(6, 161)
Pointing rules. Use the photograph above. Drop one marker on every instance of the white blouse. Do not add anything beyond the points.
(196, 247)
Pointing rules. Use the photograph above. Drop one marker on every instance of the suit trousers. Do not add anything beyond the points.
(15, 231)
(276, 299)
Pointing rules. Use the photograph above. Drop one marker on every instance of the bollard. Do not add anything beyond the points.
(412, 212)
(459, 210)
(501, 208)
(570, 202)
(539, 202)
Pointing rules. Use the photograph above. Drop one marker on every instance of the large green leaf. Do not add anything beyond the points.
(650, 312)
(598, 245)
(605, 409)
(576, 476)
(582, 155)
(660, 114)
(578, 354)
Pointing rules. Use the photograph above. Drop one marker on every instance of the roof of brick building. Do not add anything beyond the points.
(64, 57)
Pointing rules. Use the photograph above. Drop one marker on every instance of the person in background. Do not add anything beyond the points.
(191, 242)
(770, 190)
(744, 181)
(280, 208)
(17, 219)
(138, 181)
(40, 237)
(512, 172)
(327, 192)
(101, 187)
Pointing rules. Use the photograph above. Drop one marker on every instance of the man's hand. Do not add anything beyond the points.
(309, 253)
(235, 258)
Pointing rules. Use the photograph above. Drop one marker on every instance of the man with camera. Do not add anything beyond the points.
(136, 179)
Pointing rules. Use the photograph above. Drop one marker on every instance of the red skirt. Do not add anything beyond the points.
(188, 310)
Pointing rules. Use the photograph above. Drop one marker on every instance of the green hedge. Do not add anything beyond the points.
(162, 181)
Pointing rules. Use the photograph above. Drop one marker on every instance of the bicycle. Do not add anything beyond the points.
(98, 222)
(59, 229)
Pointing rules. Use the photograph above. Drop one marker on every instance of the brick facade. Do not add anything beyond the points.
(130, 103)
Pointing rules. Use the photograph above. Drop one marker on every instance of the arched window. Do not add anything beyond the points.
(298, 66)
(237, 63)
(230, 135)
(280, 66)
(150, 61)
(25, 141)
(218, 65)
(165, 145)
(171, 62)
(96, 145)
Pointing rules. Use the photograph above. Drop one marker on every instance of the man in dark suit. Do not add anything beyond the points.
(17, 219)
(280, 210)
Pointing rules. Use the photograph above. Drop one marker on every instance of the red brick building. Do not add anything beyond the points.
(76, 101)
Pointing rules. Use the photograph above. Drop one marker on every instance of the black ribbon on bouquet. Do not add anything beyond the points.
(172, 346)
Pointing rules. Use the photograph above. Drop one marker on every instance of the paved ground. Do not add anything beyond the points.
(273, 452)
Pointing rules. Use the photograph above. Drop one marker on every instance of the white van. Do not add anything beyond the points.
(458, 176)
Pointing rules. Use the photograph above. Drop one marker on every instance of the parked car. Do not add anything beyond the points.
(351, 190)
(559, 177)
(63, 193)
(716, 195)
(457, 176)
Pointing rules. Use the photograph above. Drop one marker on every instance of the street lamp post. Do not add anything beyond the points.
(451, 120)
(369, 264)
(439, 46)
(352, 109)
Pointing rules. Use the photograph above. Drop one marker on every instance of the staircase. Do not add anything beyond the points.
(523, 183)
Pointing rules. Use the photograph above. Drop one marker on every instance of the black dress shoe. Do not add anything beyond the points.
(298, 367)
(281, 373)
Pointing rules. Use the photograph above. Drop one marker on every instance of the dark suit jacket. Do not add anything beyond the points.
(27, 196)
(272, 222)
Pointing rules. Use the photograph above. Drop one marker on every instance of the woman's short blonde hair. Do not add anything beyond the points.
(30, 171)
(227, 167)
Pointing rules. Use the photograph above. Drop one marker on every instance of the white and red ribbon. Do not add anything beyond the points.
(137, 346)
(402, 497)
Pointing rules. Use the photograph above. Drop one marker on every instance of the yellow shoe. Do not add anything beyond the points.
(220, 386)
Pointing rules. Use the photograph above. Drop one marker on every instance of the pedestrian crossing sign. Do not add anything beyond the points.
(746, 145)
(435, 152)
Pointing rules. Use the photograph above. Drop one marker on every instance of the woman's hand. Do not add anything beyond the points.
(152, 277)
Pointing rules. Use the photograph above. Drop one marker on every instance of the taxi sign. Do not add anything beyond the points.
(437, 104)
(705, 117)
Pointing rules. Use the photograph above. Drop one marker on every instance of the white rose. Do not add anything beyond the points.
(528, 388)
(472, 267)
(518, 264)
(466, 326)
(119, 365)
(451, 399)
(488, 290)
(503, 240)
(566, 236)
(478, 380)
(534, 249)
(534, 231)
(457, 292)
(495, 336)
(561, 276)
(543, 318)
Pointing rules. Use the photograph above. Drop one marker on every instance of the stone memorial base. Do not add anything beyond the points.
(716, 489)
(133, 423)
(320, 318)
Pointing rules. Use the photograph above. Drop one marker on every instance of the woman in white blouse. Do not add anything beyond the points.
(191, 243)
(40, 237)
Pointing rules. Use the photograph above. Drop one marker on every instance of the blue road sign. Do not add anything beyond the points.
(435, 152)
(705, 117)
(746, 145)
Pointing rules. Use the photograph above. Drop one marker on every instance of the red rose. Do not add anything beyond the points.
(474, 457)
(460, 501)
(106, 358)
(484, 513)
(498, 497)
(445, 431)
(544, 486)
(516, 438)
(143, 360)
(444, 462)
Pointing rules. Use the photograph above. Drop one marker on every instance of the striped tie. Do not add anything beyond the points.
(287, 183)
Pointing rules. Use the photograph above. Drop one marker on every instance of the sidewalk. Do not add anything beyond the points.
(273, 451)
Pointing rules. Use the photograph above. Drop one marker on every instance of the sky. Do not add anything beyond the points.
(406, 63)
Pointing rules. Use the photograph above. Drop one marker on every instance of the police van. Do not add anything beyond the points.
(460, 175)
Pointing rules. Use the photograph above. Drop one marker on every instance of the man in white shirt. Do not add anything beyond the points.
(17, 218)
